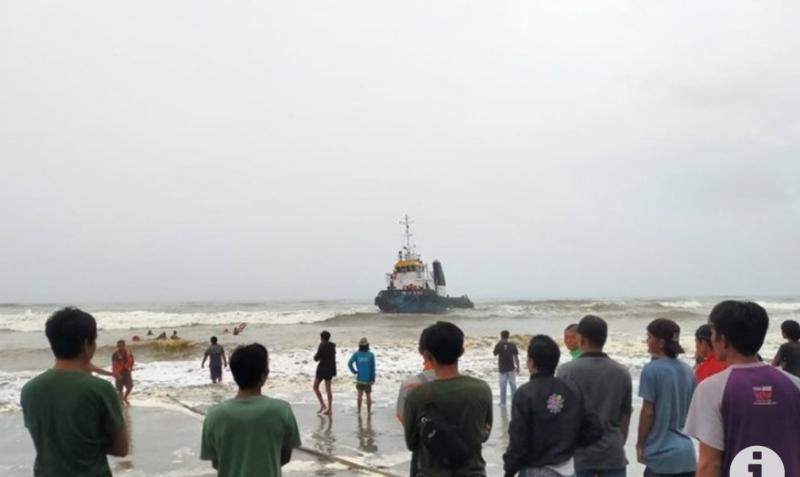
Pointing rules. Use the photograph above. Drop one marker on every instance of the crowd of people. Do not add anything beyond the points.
(567, 420)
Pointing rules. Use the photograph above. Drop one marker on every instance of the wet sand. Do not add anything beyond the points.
(166, 442)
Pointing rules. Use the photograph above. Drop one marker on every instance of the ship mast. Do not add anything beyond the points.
(410, 252)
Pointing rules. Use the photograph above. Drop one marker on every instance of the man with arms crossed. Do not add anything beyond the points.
(75, 419)
(606, 387)
(251, 434)
(748, 404)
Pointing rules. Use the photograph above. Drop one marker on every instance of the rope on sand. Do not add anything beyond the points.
(322, 455)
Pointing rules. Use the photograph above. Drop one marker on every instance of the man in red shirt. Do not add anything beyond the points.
(708, 364)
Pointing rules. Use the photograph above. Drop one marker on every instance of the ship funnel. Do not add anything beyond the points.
(438, 274)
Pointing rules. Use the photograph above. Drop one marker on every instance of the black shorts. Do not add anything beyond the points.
(216, 372)
(124, 380)
(325, 376)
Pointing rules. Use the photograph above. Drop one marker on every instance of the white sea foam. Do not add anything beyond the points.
(29, 320)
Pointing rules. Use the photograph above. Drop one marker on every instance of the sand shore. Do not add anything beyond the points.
(166, 442)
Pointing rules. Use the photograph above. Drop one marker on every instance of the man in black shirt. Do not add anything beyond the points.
(507, 364)
(788, 356)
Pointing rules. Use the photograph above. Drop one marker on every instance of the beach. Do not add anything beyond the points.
(166, 435)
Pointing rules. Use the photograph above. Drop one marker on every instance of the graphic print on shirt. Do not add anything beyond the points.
(555, 403)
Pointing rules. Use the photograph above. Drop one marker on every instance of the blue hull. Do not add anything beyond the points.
(397, 301)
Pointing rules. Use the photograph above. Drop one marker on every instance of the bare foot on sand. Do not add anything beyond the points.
(327, 412)
(321, 410)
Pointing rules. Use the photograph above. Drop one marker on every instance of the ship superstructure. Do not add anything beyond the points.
(412, 287)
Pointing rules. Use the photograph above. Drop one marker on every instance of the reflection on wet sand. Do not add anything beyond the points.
(126, 463)
(324, 439)
(503, 426)
(366, 436)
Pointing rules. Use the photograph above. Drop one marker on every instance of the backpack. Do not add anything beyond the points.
(442, 439)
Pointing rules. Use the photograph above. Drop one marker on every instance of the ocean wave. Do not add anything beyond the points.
(30, 320)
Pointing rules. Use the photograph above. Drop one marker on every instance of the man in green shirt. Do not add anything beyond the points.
(463, 402)
(75, 419)
(251, 434)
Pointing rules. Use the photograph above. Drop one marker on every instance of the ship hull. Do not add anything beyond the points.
(418, 301)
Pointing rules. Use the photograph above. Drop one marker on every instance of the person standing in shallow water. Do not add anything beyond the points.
(362, 364)
(74, 418)
(122, 366)
(326, 371)
(216, 355)
(507, 365)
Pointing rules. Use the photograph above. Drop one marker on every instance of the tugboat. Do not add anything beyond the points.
(412, 289)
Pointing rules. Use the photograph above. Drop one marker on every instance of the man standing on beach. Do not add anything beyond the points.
(362, 364)
(708, 365)
(122, 367)
(326, 371)
(507, 365)
(748, 404)
(251, 434)
(74, 418)
(448, 420)
(665, 386)
(216, 359)
(606, 386)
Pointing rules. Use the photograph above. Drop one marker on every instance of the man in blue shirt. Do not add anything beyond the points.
(666, 387)
(362, 364)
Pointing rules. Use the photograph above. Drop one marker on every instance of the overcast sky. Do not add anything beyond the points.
(205, 150)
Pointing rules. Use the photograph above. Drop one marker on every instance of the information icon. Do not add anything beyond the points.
(757, 461)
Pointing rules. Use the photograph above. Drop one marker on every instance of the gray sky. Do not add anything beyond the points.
(192, 149)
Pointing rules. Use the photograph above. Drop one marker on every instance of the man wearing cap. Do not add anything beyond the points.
(666, 386)
(708, 364)
(362, 364)
(606, 387)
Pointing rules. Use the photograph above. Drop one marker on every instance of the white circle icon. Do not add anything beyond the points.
(757, 461)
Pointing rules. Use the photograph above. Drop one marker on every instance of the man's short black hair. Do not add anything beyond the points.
(444, 340)
(213, 340)
(504, 334)
(743, 323)
(248, 364)
(594, 330)
(68, 329)
(791, 329)
(544, 352)
(325, 335)
(571, 327)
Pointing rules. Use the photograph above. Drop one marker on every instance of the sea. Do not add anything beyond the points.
(168, 373)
